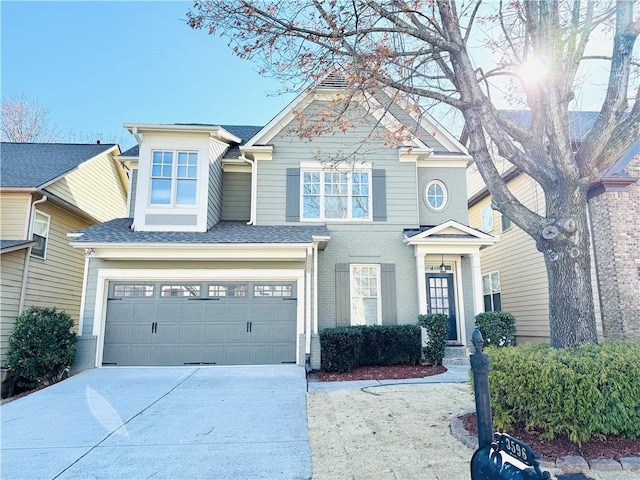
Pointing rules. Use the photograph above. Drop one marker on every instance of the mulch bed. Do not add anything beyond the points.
(611, 447)
(394, 372)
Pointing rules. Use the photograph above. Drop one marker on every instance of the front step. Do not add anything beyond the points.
(457, 355)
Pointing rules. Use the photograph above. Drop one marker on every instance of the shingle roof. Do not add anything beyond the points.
(245, 132)
(119, 231)
(31, 165)
(5, 244)
(580, 123)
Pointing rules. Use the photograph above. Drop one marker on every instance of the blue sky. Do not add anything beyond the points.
(97, 65)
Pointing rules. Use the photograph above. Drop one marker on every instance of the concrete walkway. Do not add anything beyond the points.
(171, 423)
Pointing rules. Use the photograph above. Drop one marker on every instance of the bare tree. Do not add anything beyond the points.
(24, 119)
(430, 52)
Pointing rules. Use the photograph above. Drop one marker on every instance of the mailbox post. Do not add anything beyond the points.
(496, 452)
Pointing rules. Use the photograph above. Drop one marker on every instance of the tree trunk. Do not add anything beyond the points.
(565, 246)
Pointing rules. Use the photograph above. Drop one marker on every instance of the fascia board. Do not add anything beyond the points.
(252, 252)
(16, 247)
(427, 122)
(18, 189)
(213, 130)
(451, 223)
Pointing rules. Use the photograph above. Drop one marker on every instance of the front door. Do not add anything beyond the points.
(441, 299)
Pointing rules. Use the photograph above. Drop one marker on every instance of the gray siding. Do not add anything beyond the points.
(214, 208)
(169, 219)
(454, 179)
(353, 244)
(133, 188)
(236, 197)
(289, 151)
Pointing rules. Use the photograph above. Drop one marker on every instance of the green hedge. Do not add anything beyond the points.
(345, 348)
(438, 333)
(41, 346)
(582, 392)
(498, 328)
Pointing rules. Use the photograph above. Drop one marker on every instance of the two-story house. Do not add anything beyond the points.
(242, 243)
(46, 191)
(513, 271)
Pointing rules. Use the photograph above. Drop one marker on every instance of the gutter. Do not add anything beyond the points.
(254, 188)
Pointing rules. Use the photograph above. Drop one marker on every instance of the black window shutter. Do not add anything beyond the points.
(343, 295)
(379, 191)
(293, 195)
(389, 301)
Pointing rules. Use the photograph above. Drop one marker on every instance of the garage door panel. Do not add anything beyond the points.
(203, 329)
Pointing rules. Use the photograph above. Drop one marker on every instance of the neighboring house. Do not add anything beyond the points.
(242, 243)
(48, 190)
(514, 273)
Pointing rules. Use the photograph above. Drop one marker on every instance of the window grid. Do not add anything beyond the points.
(272, 291)
(436, 195)
(491, 291)
(487, 218)
(336, 195)
(227, 290)
(180, 290)
(133, 290)
(40, 234)
(174, 183)
(365, 298)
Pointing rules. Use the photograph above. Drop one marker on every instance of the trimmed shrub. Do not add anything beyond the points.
(438, 333)
(41, 346)
(498, 328)
(340, 349)
(345, 348)
(584, 392)
(390, 345)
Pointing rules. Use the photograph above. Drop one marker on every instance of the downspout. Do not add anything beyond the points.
(315, 288)
(307, 310)
(254, 188)
(25, 270)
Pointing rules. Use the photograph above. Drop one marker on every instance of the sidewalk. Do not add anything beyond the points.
(395, 430)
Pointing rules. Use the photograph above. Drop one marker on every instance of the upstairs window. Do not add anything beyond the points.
(336, 195)
(435, 194)
(40, 235)
(174, 177)
(487, 218)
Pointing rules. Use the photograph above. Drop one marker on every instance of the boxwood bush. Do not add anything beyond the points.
(345, 348)
(498, 328)
(41, 346)
(584, 392)
(438, 333)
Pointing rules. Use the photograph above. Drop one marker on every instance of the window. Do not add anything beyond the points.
(227, 290)
(491, 292)
(272, 290)
(435, 194)
(133, 290)
(40, 235)
(336, 195)
(365, 297)
(506, 223)
(174, 183)
(180, 291)
(487, 218)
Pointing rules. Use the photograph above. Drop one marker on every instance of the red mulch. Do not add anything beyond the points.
(394, 372)
(611, 447)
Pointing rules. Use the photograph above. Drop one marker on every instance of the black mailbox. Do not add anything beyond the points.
(494, 461)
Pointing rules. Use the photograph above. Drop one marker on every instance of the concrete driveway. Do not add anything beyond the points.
(173, 423)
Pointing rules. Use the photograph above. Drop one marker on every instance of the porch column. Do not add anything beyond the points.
(476, 274)
(422, 282)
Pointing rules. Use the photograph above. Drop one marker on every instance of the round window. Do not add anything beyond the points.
(436, 195)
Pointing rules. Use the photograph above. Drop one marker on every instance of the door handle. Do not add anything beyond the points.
(247, 327)
(250, 327)
(154, 327)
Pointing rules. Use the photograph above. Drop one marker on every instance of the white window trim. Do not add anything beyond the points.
(46, 244)
(174, 179)
(378, 288)
(482, 217)
(491, 293)
(349, 171)
(445, 192)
